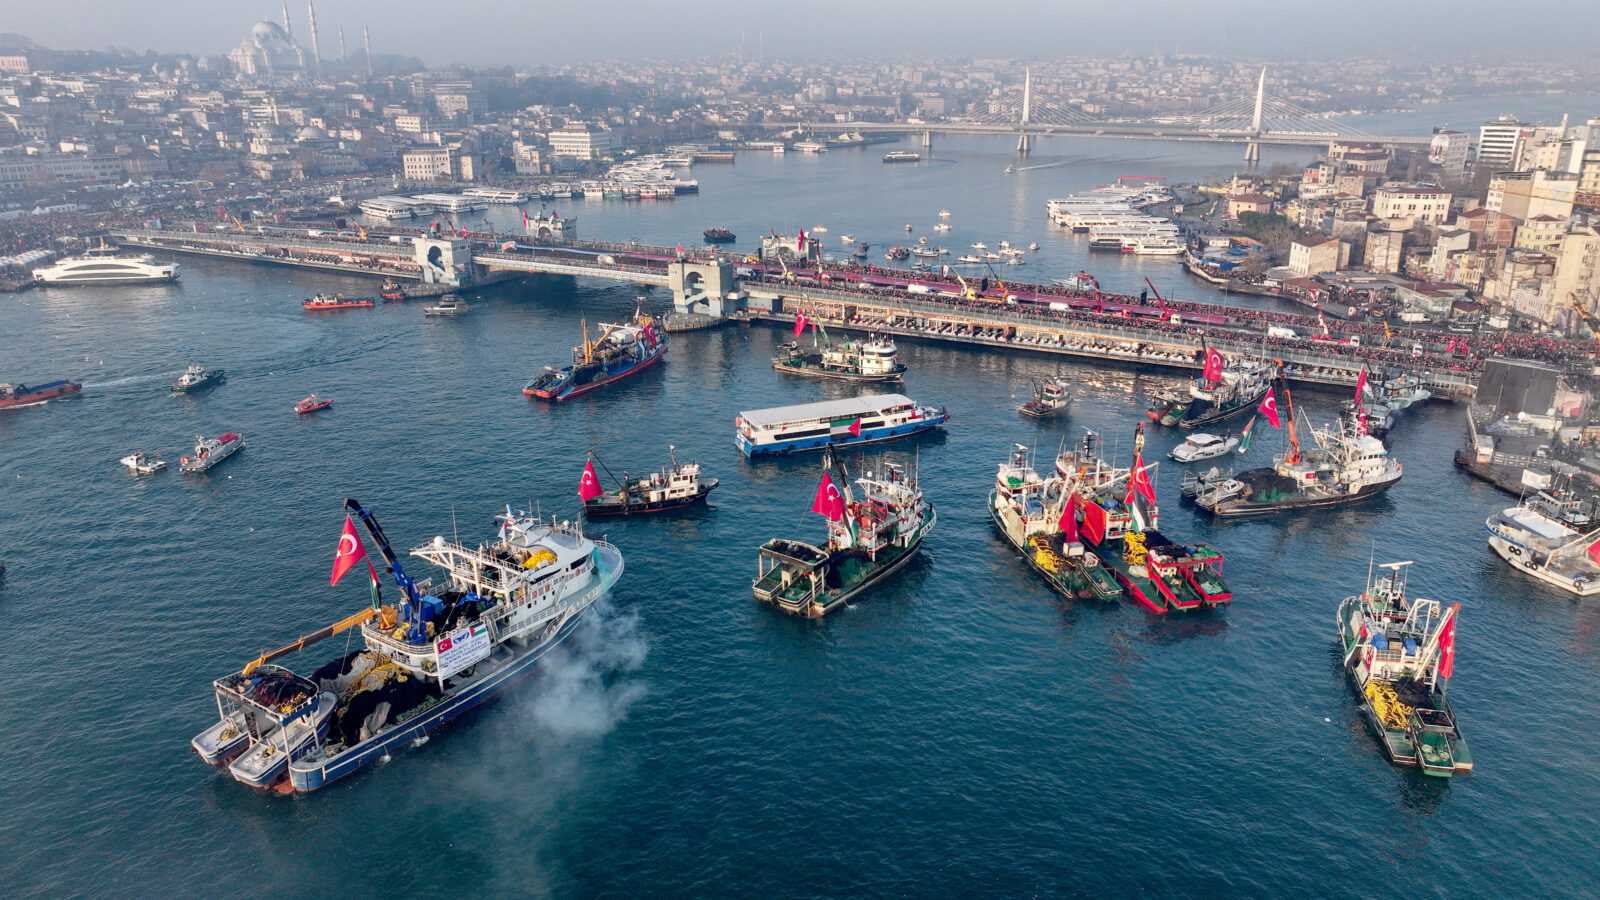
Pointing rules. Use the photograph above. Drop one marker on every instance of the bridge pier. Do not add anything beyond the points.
(1024, 144)
(703, 288)
(444, 260)
(927, 142)
(1252, 152)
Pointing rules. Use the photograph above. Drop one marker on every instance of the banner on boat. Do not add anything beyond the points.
(461, 648)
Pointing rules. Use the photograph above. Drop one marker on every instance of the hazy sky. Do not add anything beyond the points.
(525, 32)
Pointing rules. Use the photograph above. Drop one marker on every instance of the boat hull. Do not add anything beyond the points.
(1520, 559)
(750, 448)
(1193, 418)
(41, 394)
(1240, 508)
(205, 384)
(611, 505)
(1038, 411)
(827, 603)
(840, 374)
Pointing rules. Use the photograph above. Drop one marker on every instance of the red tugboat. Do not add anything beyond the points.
(311, 404)
(323, 302)
(22, 395)
(391, 291)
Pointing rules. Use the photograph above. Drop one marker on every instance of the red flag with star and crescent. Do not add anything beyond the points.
(800, 242)
(1361, 384)
(1214, 364)
(828, 502)
(351, 550)
(1447, 645)
(1069, 519)
(799, 322)
(1139, 479)
(1269, 408)
(589, 487)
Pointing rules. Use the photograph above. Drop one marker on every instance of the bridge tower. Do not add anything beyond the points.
(702, 287)
(927, 143)
(444, 260)
(1024, 146)
(1252, 150)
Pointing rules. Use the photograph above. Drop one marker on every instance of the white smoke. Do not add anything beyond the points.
(585, 689)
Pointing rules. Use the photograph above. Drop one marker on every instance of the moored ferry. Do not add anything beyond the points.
(441, 650)
(1399, 653)
(102, 265)
(620, 351)
(830, 423)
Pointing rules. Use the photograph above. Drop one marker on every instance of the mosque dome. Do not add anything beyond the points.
(311, 133)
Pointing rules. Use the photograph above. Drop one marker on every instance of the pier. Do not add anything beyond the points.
(706, 292)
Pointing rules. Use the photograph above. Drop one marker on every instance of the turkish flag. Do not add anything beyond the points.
(799, 322)
(1269, 408)
(1361, 384)
(1139, 479)
(350, 551)
(1069, 519)
(1214, 364)
(828, 502)
(800, 243)
(855, 428)
(1447, 646)
(589, 487)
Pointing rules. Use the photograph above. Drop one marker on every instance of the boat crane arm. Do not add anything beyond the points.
(400, 577)
(309, 639)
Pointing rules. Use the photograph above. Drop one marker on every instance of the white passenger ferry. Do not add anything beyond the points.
(102, 265)
(812, 426)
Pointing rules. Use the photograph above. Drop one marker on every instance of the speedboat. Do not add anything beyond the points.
(944, 213)
(311, 404)
(1204, 446)
(448, 305)
(143, 463)
(847, 238)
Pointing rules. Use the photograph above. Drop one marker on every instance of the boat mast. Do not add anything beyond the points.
(406, 583)
(1294, 442)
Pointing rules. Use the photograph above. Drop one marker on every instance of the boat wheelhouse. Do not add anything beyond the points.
(1050, 396)
(829, 423)
(873, 359)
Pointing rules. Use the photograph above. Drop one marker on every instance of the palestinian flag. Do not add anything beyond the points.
(1138, 509)
(1244, 436)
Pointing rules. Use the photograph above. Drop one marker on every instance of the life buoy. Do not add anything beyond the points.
(182, 460)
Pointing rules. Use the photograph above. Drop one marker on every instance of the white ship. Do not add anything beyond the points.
(1538, 545)
(102, 265)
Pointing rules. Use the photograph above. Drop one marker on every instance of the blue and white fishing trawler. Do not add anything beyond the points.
(834, 423)
(443, 649)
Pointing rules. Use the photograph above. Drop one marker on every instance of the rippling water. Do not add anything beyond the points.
(962, 730)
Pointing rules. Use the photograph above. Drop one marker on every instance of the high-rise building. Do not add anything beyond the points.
(1448, 151)
(1500, 141)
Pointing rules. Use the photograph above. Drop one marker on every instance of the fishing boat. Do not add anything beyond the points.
(830, 423)
(449, 305)
(1202, 446)
(1050, 397)
(1379, 418)
(208, 452)
(1398, 392)
(675, 487)
(847, 239)
(897, 253)
(311, 404)
(1028, 510)
(1562, 504)
(1399, 653)
(142, 463)
(444, 648)
(1115, 515)
(861, 250)
(873, 359)
(719, 236)
(1536, 544)
(1194, 483)
(198, 378)
(391, 291)
(23, 395)
(870, 536)
(620, 351)
(1225, 390)
(325, 302)
(1344, 466)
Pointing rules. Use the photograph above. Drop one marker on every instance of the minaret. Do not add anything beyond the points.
(341, 44)
(288, 28)
(316, 52)
(366, 38)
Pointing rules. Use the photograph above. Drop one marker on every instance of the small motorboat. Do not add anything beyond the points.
(198, 378)
(1204, 446)
(908, 229)
(942, 226)
(944, 213)
(1050, 396)
(391, 291)
(311, 404)
(847, 238)
(1034, 246)
(323, 302)
(448, 305)
(143, 463)
(819, 229)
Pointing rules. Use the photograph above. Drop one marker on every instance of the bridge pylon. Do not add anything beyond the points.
(703, 287)
(444, 260)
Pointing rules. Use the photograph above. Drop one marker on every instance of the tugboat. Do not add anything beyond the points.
(391, 291)
(868, 539)
(620, 351)
(674, 487)
(143, 463)
(210, 451)
(448, 305)
(311, 404)
(324, 302)
(1225, 391)
(444, 648)
(870, 360)
(1050, 396)
(719, 236)
(198, 378)
(1344, 467)
(1029, 511)
(1535, 543)
(1120, 526)
(22, 395)
(1399, 654)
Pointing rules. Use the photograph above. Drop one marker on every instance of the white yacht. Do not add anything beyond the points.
(102, 265)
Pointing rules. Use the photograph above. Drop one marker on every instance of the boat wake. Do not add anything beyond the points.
(131, 379)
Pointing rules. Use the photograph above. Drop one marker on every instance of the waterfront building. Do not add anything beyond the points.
(580, 141)
(1500, 142)
(1315, 254)
(1410, 204)
(424, 164)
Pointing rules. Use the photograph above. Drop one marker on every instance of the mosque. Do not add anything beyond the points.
(269, 53)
